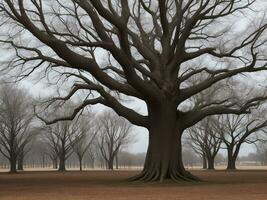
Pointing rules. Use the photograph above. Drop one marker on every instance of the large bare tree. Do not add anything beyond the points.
(16, 124)
(145, 50)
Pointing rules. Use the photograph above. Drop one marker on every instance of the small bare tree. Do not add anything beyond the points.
(48, 148)
(238, 130)
(26, 146)
(16, 120)
(61, 137)
(93, 153)
(84, 138)
(205, 141)
(114, 134)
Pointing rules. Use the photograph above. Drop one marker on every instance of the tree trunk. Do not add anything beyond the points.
(110, 163)
(62, 166)
(204, 162)
(80, 164)
(20, 162)
(210, 163)
(117, 161)
(13, 163)
(231, 165)
(164, 154)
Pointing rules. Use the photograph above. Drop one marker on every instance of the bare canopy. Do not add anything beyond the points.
(16, 124)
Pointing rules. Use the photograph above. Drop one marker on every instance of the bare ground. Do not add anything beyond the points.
(99, 185)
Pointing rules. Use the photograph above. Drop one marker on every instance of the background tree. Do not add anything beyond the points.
(198, 151)
(26, 146)
(85, 138)
(205, 140)
(202, 137)
(114, 134)
(51, 151)
(144, 50)
(61, 137)
(238, 130)
(93, 153)
(16, 123)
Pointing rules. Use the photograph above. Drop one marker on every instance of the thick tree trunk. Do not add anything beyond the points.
(20, 162)
(164, 154)
(62, 166)
(211, 163)
(13, 163)
(231, 165)
(110, 163)
(204, 162)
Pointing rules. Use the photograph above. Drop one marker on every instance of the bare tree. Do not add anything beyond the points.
(61, 137)
(114, 134)
(205, 140)
(93, 153)
(26, 146)
(146, 50)
(85, 138)
(238, 130)
(202, 137)
(49, 149)
(16, 123)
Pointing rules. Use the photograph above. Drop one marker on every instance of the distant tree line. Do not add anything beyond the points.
(93, 140)
(24, 139)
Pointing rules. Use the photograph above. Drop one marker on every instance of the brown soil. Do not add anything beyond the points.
(102, 185)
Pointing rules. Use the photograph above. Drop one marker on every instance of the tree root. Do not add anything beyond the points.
(155, 176)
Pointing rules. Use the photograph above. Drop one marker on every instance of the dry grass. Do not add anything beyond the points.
(100, 185)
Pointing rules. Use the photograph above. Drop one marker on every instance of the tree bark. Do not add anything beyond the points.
(204, 162)
(110, 163)
(62, 166)
(210, 163)
(164, 154)
(20, 162)
(13, 163)
(231, 165)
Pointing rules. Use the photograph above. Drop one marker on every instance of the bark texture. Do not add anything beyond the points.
(164, 154)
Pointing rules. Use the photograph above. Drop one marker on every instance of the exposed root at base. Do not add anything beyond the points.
(155, 176)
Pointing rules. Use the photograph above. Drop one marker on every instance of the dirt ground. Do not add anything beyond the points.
(99, 185)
